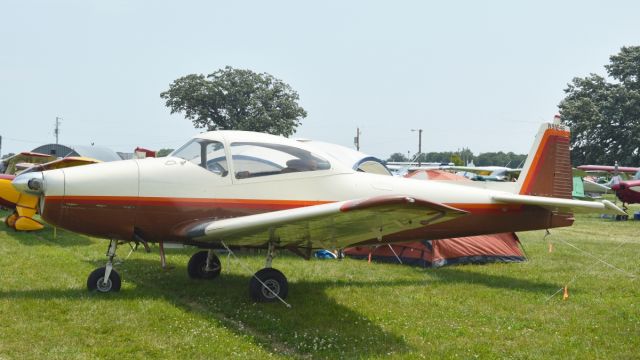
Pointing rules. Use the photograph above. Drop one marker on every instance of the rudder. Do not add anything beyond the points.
(547, 171)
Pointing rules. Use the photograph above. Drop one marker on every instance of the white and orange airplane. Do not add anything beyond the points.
(234, 189)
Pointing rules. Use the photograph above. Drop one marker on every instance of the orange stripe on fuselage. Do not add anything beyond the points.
(191, 202)
(244, 203)
(539, 155)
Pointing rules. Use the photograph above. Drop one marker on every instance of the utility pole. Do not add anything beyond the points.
(419, 144)
(57, 129)
(356, 140)
(0, 146)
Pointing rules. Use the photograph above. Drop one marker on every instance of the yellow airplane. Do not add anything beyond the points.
(26, 205)
(24, 160)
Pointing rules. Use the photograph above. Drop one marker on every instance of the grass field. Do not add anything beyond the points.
(341, 309)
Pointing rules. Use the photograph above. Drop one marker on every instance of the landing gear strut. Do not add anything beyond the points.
(105, 279)
(268, 284)
(204, 265)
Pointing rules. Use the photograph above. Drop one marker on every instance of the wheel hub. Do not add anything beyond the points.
(102, 287)
(272, 285)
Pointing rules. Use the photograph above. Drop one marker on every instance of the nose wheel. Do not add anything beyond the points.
(96, 281)
(105, 279)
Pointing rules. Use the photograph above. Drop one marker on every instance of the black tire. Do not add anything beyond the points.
(94, 282)
(198, 264)
(274, 279)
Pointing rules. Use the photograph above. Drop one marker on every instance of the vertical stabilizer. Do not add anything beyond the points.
(547, 171)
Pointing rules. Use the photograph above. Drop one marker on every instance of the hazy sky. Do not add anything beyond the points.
(477, 74)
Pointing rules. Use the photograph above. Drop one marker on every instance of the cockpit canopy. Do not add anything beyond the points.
(250, 158)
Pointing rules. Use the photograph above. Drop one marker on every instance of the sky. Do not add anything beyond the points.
(475, 74)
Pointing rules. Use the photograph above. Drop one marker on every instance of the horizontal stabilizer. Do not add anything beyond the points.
(561, 205)
(332, 225)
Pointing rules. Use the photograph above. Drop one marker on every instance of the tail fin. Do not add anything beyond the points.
(547, 171)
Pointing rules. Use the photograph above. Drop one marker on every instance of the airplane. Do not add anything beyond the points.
(476, 173)
(26, 205)
(628, 191)
(236, 189)
(487, 173)
(586, 189)
(22, 161)
(401, 168)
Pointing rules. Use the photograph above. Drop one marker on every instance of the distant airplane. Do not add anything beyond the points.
(22, 161)
(235, 189)
(401, 168)
(586, 189)
(628, 191)
(487, 173)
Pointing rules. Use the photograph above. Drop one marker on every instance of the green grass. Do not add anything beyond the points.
(341, 309)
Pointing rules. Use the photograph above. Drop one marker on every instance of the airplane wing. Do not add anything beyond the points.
(482, 170)
(561, 205)
(24, 160)
(608, 169)
(332, 225)
(69, 161)
(475, 170)
(592, 187)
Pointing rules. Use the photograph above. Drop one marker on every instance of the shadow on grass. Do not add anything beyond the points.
(46, 237)
(460, 276)
(315, 325)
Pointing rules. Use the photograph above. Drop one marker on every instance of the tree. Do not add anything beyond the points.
(163, 152)
(464, 156)
(456, 160)
(7, 155)
(500, 159)
(604, 117)
(235, 99)
(397, 157)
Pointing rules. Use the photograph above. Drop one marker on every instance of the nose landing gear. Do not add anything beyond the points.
(105, 279)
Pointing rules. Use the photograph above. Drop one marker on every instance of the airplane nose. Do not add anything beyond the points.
(29, 183)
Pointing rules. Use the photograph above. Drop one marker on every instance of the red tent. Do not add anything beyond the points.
(435, 253)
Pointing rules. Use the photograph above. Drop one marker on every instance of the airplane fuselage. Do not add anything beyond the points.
(158, 199)
(628, 191)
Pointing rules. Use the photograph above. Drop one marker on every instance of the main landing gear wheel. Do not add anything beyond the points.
(95, 282)
(275, 283)
(198, 269)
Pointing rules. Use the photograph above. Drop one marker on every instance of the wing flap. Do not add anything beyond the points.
(333, 225)
(561, 205)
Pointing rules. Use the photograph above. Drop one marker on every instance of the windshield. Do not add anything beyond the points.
(208, 154)
(251, 159)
